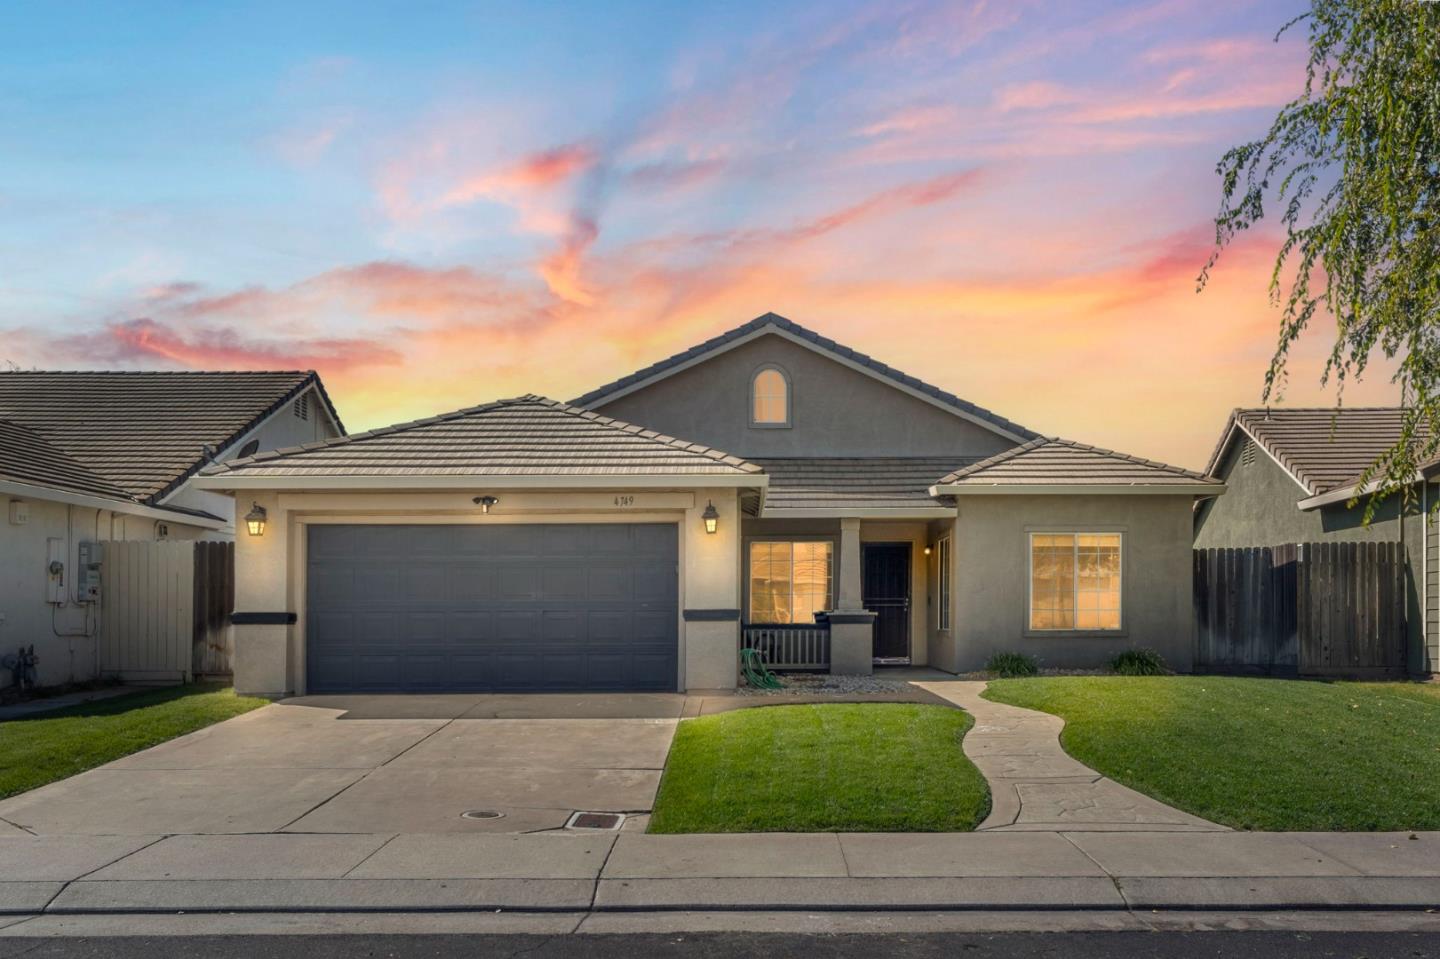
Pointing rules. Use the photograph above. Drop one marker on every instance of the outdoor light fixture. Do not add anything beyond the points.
(711, 516)
(255, 520)
(927, 549)
(485, 502)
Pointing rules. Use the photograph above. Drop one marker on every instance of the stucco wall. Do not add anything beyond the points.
(270, 569)
(1260, 508)
(992, 573)
(835, 411)
(24, 559)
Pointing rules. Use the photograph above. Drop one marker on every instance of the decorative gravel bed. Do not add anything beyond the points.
(807, 684)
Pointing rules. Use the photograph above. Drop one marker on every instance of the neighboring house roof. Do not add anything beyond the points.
(774, 322)
(146, 432)
(528, 436)
(1323, 449)
(26, 458)
(1051, 462)
(850, 483)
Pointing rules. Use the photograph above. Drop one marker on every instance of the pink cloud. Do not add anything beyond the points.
(1038, 95)
(145, 341)
(536, 171)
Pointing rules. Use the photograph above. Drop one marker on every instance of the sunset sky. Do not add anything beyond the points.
(438, 204)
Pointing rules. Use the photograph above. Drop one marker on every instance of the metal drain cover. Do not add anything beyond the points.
(595, 820)
(482, 814)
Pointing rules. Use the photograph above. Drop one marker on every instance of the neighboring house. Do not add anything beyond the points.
(528, 544)
(88, 457)
(1291, 474)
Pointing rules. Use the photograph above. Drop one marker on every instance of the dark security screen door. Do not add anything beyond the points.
(497, 607)
(885, 588)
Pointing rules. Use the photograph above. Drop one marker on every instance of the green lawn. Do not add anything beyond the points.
(53, 745)
(846, 767)
(1255, 753)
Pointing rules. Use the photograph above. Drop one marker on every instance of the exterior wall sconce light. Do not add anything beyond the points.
(485, 502)
(927, 549)
(255, 520)
(711, 516)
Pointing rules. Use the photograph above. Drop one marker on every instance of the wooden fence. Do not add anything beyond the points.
(1313, 609)
(164, 610)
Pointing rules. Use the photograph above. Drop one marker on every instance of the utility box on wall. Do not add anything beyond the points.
(55, 571)
(87, 587)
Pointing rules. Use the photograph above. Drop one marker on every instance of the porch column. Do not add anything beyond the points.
(851, 596)
(852, 628)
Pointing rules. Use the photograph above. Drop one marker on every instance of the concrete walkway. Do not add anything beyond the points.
(1036, 786)
(1134, 872)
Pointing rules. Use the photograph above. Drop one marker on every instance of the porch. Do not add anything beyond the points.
(841, 594)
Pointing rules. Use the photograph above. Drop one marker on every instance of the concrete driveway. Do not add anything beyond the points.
(375, 764)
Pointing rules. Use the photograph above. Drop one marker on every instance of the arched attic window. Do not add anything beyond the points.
(770, 397)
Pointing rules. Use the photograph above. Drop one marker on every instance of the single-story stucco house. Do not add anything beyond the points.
(635, 538)
(1292, 475)
(91, 457)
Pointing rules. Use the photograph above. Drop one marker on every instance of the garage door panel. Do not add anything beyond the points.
(519, 582)
(471, 628)
(652, 625)
(517, 626)
(563, 583)
(512, 607)
(468, 582)
(652, 585)
(654, 541)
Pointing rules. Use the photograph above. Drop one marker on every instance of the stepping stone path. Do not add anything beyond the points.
(1036, 786)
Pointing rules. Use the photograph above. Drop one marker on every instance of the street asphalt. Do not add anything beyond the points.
(1161, 945)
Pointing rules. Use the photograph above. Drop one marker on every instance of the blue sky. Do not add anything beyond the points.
(438, 204)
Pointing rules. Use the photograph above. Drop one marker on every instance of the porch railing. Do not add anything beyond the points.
(792, 646)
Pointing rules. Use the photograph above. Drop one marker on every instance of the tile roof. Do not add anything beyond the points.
(1323, 448)
(526, 436)
(1051, 461)
(852, 483)
(146, 432)
(824, 343)
(26, 458)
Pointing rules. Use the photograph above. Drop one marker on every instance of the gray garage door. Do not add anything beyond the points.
(546, 607)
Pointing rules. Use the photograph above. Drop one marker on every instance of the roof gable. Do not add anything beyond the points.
(1320, 448)
(525, 436)
(773, 323)
(147, 432)
(1055, 462)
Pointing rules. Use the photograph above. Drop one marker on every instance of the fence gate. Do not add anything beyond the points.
(164, 609)
(1317, 609)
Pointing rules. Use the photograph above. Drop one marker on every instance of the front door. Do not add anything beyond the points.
(885, 588)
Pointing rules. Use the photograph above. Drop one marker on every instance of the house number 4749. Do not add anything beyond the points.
(624, 501)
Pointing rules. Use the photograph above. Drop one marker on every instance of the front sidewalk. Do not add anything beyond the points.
(634, 872)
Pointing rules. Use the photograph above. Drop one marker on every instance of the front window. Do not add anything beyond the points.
(770, 398)
(1074, 581)
(789, 581)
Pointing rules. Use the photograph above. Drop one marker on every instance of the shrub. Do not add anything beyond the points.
(1010, 665)
(1139, 662)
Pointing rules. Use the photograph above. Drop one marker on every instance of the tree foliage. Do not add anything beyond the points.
(1353, 167)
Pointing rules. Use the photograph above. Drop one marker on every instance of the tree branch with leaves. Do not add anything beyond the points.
(1353, 168)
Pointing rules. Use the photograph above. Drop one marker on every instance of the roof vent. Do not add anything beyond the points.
(249, 449)
(1248, 456)
(302, 407)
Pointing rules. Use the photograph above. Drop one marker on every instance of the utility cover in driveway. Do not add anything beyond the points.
(492, 607)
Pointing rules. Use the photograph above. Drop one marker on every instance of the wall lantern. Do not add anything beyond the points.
(485, 502)
(711, 516)
(255, 520)
(927, 549)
